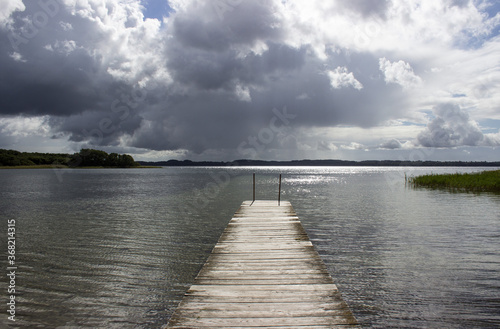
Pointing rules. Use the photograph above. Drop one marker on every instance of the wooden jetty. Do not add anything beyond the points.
(263, 273)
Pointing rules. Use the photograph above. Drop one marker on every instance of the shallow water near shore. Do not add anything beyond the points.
(117, 248)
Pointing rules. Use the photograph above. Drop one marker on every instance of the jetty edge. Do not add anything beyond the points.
(264, 272)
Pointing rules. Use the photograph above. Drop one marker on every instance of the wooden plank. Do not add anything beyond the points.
(271, 312)
(259, 322)
(263, 273)
(218, 272)
(275, 327)
(317, 289)
(261, 297)
(260, 306)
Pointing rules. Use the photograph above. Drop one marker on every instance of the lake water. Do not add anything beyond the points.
(117, 248)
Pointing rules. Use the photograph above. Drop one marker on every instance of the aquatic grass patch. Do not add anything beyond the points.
(480, 181)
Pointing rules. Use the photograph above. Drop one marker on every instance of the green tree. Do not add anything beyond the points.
(84, 158)
(113, 160)
(89, 158)
(126, 161)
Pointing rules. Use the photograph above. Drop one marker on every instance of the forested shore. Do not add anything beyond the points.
(84, 158)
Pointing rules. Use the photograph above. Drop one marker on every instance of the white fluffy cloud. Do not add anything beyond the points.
(400, 73)
(24, 126)
(341, 77)
(451, 127)
(7, 7)
(353, 146)
(391, 144)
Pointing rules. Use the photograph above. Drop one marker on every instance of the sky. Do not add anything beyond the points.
(252, 79)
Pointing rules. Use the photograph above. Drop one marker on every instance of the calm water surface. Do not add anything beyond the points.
(118, 248)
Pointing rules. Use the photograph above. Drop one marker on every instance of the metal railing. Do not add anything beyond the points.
(279, 190)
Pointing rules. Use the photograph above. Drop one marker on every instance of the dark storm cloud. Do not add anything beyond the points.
(230, 70)
(204, 69)
(196, 124)
(213, 52)
(54, 67)
(214, 69)
(43, 72)
(201, 25)
(328, 106)
(217, 119)
(98, 127)
(56, 87)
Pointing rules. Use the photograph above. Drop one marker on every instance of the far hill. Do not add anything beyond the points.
(330, 163)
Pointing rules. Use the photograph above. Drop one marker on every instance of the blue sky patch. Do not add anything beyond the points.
(156, 9)
(489, 125)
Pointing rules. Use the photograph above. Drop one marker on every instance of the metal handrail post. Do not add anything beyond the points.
(253, 188)
(279, 191)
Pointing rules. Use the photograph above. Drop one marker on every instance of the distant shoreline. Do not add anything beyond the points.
(319, 163)
(90, 158)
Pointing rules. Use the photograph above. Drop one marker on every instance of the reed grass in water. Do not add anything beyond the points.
(481, 181)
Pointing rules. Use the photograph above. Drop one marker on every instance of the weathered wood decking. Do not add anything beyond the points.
(265, 273)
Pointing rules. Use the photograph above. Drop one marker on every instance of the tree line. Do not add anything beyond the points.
(317, 163)
(84, 158)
